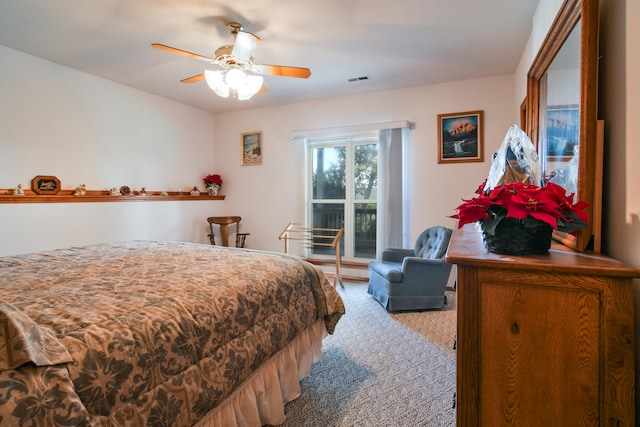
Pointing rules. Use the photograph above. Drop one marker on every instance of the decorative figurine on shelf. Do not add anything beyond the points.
(18, 191)
(114, 191)
(194, 191)
(212, 183)
(143, 192)
(80, 190)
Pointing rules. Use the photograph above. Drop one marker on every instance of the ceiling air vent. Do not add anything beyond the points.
(357, 79)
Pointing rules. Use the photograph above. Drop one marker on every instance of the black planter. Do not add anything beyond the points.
(512, 237)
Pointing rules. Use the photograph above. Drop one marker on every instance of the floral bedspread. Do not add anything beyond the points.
(145, 333)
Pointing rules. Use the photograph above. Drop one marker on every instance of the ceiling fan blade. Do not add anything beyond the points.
(183, 53)
(244, 45)
(193, 79)
(281, 70)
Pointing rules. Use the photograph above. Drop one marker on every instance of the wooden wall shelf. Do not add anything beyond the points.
(66, 196)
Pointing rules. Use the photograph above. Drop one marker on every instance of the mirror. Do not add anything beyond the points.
(558, 115)
(560, 111)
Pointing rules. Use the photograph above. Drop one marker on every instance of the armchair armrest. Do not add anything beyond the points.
(413, 260)
(416, 269)
(396, 254)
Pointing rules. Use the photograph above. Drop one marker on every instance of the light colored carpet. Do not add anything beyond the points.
(381, 369)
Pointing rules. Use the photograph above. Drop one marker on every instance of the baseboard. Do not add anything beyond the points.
(345, 265)
(354, 279)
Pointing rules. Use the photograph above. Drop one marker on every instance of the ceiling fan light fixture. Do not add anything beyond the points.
(238, 76)
(254, 83)
(251, 87)
(235, 78)
(215, 80)
(233, 81)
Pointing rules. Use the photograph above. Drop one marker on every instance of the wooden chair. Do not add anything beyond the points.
(224, 222)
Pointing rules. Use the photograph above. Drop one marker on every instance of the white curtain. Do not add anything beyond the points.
(390, 214)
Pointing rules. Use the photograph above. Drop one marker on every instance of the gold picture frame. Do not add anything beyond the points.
(460, 137)
(251, 148)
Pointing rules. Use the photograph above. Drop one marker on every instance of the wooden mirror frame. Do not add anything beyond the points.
(586, 12)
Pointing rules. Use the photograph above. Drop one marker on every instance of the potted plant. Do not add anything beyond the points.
(212, 183)
(519, 218)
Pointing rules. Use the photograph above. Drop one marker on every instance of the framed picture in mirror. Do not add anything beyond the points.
(563, 125)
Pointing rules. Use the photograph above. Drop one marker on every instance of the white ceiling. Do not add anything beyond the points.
(396, 43)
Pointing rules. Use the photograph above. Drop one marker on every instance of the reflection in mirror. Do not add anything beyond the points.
(559, 115)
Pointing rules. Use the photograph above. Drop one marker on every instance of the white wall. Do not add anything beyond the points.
(270, 195)
(620, 108)
(87, 130)
(632, 145)
(544, 16)
(84, 129)
(541, 22)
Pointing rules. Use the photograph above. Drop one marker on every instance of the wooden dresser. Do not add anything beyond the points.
(542, 340)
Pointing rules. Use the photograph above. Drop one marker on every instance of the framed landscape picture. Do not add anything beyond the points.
(460, 137)
(251, 146)
(562, 132)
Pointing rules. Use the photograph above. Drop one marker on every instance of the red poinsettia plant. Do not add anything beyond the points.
(211, 180)
(532, 205)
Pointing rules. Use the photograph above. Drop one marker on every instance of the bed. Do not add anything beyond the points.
(158, 333)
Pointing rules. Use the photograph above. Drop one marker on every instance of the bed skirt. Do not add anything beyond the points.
(260, 400)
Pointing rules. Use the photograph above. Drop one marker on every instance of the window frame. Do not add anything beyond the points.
(350, 141)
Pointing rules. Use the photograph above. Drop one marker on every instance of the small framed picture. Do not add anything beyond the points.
(563, 123)
(251, 148)
(460, 137)
(43, 184)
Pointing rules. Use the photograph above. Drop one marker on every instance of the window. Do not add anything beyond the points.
(343, 187)
(355, 179)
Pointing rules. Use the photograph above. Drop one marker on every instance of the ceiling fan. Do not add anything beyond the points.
(237, 74)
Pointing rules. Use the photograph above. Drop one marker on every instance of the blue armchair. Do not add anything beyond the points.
(413, 279)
